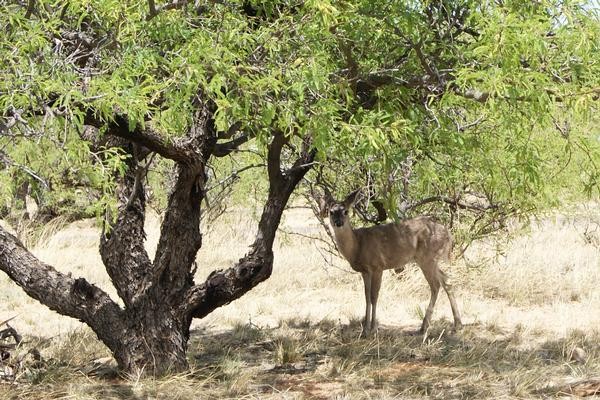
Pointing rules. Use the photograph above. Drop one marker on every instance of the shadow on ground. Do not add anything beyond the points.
(327, 359)
(302, 359)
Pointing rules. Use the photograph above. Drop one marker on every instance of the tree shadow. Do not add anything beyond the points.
(120, 391)
(327, 359)
(476, 362)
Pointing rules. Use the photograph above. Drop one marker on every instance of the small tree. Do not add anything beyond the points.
(448, 93)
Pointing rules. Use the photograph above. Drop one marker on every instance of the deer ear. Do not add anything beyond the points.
(325, 201)
(351, 199)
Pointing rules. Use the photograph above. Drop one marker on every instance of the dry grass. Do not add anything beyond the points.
(296, 336)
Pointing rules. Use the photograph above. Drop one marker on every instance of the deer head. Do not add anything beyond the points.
(338, 211)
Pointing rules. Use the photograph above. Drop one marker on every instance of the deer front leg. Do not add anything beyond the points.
(367, 321)
(375, 286)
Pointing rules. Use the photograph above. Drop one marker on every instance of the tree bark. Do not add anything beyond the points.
(223, 286)
(75, 298)
(156, 341)
(150, 334)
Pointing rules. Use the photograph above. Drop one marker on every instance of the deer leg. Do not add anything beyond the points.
(430, 270)
(375, 286)
(367, 321)
(448, 288)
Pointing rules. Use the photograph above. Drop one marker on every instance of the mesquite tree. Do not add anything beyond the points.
(446, 95)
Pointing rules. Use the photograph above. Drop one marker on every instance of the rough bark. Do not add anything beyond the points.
(122, 245)
(148, 338)
(180, 237)
(223, 286)
(74, 297)
(155, 342)
(150, 335)
(158, 331)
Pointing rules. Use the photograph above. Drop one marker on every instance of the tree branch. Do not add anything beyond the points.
(147, 137)
(75, 298)
(429, 68)
(222, 287)
(30, 8)
(7, 161)
(180, 236)
(482, 97)
(152, 9)
(353, 69)
(122, 247)
(452, 201)
(169, 6)
(473, 94)
(274, 157)
(223, 149)
(230, 132)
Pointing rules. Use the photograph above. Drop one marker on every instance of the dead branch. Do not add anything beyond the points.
(10, 332)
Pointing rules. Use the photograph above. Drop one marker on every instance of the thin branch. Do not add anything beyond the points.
(424, 63)
(564, 130)
(350, 62)
(230, 132)
(152, 8)
(473, 94)
(233, 175)
(8, 162)
(175, 4)
(223, 149)
(6, 321)
(483, 97)
(30, 8)
(452, 201)
(462, 128)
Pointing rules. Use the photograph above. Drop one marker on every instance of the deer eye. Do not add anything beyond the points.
(345, 212)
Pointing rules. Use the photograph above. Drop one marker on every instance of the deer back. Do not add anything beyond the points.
(393, 245)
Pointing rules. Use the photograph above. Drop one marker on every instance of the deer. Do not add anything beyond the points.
(371, 250)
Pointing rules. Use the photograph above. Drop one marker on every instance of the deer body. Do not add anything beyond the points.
(393, 245)
(372, 250)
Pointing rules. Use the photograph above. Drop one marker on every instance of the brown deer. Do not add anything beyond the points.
(374, 249)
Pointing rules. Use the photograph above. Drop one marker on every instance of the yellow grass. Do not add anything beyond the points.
(297, 334)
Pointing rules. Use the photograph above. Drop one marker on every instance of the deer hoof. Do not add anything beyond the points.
(375, 328)
(415, 332)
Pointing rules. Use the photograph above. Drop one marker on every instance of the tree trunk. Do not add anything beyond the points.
(149, 335)
(156, 342)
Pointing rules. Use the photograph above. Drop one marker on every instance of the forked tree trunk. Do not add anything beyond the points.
(149, 335)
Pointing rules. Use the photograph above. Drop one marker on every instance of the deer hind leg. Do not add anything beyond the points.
(448, 289)
(375, 286)
(367, 321)
(431, 271)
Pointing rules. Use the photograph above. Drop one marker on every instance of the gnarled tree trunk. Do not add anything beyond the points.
(150, 333)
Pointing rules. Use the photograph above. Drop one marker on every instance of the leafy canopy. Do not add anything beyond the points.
(478, 106)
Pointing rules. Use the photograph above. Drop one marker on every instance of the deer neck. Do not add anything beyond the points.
(346, 241)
